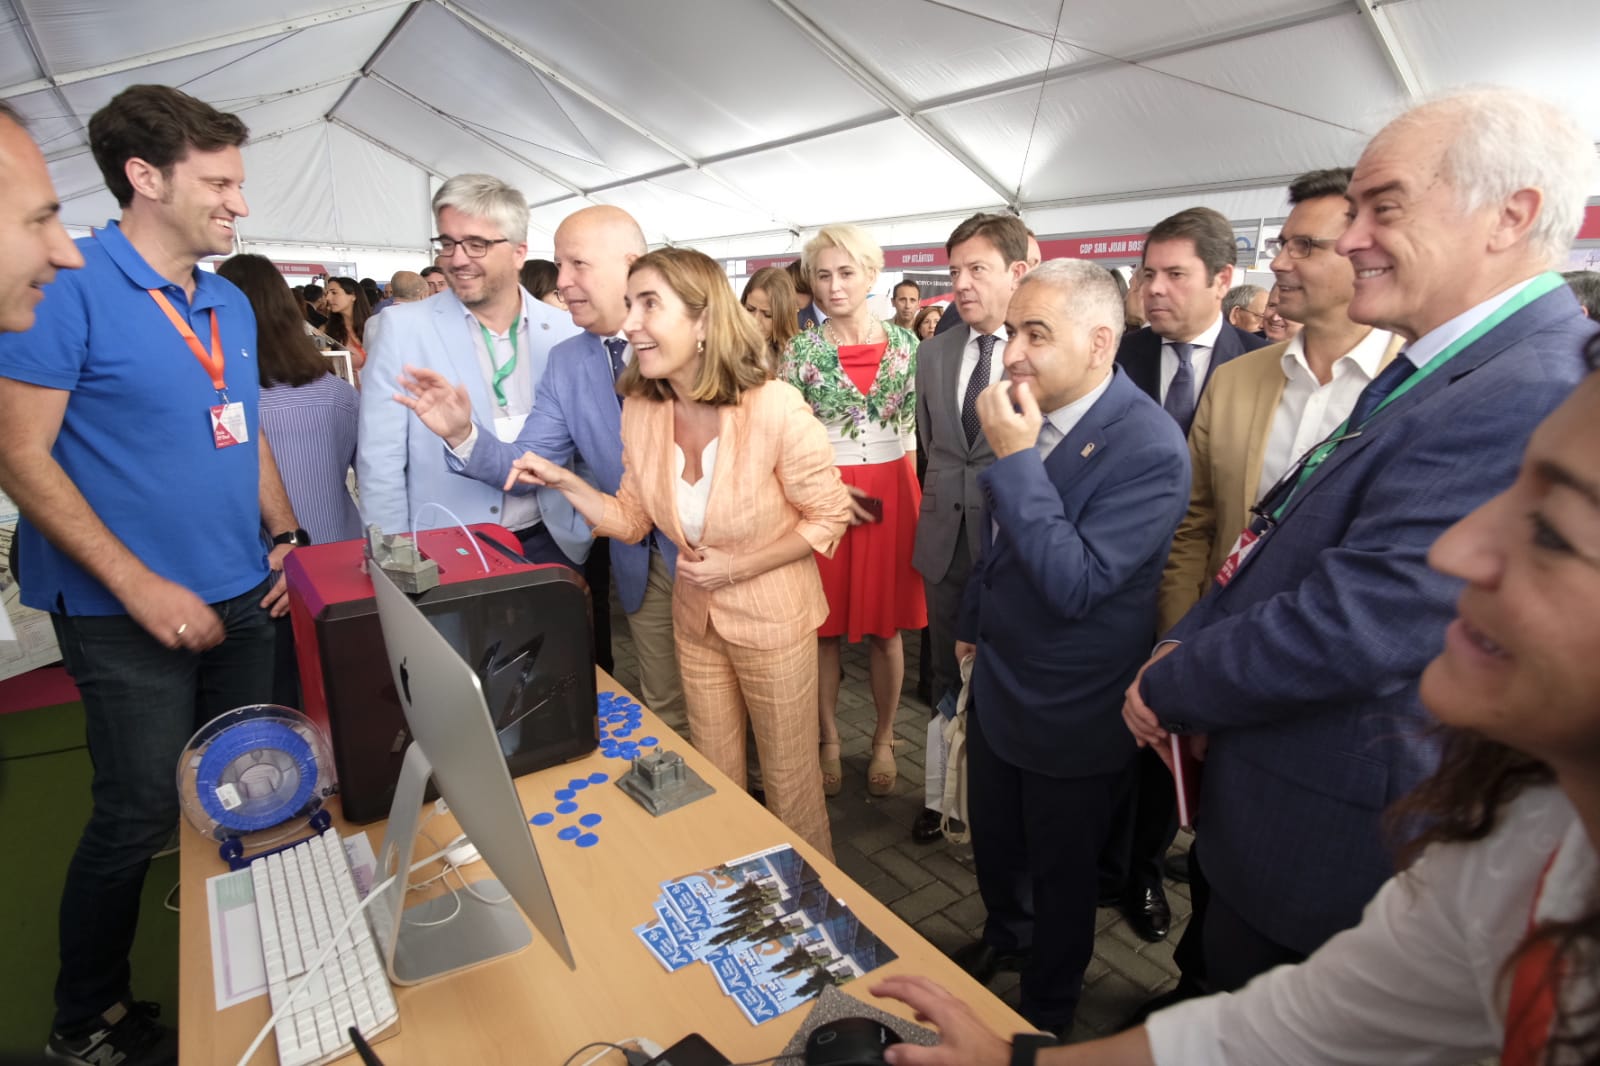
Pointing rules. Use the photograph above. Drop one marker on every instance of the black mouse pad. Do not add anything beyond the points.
(834, 1004)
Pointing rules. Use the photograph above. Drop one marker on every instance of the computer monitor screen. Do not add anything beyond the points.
(451, 726)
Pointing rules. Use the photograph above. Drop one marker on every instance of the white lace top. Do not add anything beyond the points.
(692, 498)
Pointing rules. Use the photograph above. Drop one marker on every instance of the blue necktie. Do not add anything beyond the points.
(1180, 394)
(615, 347)
(1379, 388)
(976, 384)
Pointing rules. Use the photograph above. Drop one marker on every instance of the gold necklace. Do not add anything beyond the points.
(838, 342)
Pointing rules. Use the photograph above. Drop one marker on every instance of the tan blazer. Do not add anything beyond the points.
(1226, 444)
(774, 475)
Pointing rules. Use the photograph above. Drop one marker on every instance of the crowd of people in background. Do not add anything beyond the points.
(1334, 543)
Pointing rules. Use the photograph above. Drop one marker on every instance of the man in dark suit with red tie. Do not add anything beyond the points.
(1187, 270)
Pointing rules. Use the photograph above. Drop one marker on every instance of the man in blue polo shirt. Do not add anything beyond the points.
(129, 440)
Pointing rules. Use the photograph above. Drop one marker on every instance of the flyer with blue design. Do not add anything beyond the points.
(772, 934)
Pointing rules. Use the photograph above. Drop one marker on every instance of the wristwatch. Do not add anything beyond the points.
(298, 537)
(1024, 1046)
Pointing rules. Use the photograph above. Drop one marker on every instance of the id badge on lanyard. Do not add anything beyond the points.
(1248, 539)
(228, 424)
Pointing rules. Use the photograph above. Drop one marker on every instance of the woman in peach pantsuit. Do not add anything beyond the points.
(735, 469)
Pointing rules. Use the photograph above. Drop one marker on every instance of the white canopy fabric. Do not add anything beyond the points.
(737, 125)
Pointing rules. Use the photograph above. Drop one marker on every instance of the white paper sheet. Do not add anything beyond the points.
(238, 972)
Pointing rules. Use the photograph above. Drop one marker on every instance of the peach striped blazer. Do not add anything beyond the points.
(774, 474)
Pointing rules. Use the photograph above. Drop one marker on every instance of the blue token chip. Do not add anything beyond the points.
(587, 840)
(565, 794)
(542, 818)
(568, 832)
(623, 733)
(578, 783)
(589, 820)
(648, 742)
(598, 778)
(566, 808)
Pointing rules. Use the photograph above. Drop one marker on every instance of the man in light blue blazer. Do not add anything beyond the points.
(485, 332)
(1301, 663)
(577, 414)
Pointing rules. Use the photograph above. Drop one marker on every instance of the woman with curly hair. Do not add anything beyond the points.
(859, 375)
(1489, 943)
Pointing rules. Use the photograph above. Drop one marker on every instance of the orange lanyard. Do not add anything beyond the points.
(212, 361)
(1531, 1014)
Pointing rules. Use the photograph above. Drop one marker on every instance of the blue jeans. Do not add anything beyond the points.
(142, 702)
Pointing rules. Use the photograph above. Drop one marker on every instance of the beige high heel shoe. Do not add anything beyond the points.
(882, 771)
(832, 771)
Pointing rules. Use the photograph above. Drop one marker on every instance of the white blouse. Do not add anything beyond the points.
(1419, 980)
(692, 499)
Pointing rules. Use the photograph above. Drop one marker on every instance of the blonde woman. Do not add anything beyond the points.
(859, 373)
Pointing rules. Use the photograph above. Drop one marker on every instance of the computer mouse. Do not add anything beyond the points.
(849, 1042)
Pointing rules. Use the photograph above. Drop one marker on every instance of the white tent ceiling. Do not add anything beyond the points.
(738, 123)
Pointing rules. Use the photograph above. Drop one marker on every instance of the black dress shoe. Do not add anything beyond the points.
(1186, 989)
(983, 962)
(925, 827)
(1147, 913)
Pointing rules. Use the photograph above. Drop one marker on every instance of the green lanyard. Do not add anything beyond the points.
(1539, 286)
(500, 372)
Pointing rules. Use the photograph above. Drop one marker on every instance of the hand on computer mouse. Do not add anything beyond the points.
(850, 1042)
(964, 1040)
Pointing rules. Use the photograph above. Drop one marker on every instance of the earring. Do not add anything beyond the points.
(700, 347)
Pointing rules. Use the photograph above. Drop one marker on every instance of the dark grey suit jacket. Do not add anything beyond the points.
(950, 485)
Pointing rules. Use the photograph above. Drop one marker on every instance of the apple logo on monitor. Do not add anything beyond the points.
(405, 682)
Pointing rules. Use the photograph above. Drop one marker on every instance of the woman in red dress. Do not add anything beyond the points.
(858, 373)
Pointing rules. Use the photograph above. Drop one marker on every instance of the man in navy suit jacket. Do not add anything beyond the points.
(578, 414)
(1079, 509)
(1301, 663)
(1186, 272)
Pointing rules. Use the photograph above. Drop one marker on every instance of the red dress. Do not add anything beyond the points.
(871, 586)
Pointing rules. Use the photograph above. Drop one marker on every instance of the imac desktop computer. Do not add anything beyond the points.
(456, 743)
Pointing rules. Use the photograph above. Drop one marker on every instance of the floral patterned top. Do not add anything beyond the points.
(811, 364)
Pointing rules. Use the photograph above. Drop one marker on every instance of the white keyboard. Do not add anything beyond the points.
(303, 895)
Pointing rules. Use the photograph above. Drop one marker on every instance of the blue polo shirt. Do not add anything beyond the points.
(136, 438)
